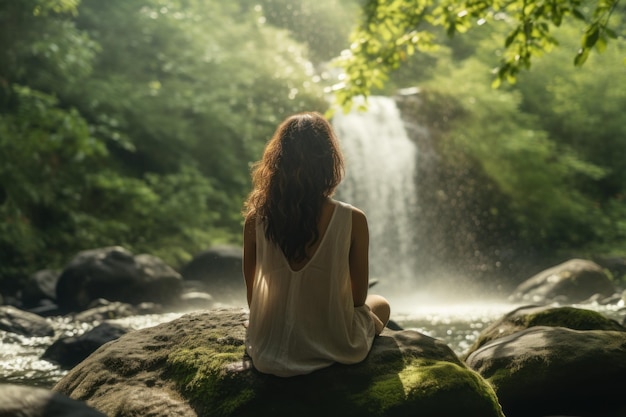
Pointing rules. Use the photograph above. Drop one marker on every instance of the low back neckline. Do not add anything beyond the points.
(319, 246)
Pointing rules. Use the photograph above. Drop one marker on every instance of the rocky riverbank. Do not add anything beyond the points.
(545, 358)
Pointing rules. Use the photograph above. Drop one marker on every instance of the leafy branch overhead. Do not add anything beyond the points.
(391, 31)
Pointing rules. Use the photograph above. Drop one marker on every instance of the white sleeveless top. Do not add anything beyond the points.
(305, 320)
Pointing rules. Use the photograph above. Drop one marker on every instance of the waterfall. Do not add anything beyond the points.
(381, 165)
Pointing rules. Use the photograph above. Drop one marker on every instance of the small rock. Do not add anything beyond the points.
(14, 320)
(70, 351)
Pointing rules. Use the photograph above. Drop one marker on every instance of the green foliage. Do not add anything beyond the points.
(45, 152)
(134, 123)
(553, 143)
(40, 45)
(583, 111)
(540, 177)
(392, 31)
(323, 25)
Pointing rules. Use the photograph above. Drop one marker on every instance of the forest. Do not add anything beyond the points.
(135, 123)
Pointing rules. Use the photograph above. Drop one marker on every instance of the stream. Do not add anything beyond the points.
(456, 324)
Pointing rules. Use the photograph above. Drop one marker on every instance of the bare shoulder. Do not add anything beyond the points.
(359, 221)
(358, 214)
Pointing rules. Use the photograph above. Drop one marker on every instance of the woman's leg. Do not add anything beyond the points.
(381, 309)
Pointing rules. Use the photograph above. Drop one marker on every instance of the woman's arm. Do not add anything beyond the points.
(359, 257)
(249, 255)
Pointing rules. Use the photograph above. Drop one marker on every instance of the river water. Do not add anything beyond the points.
(456, 324)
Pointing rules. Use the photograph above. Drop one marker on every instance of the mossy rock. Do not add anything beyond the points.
(196, 366)
(532, 315)
(549, 371)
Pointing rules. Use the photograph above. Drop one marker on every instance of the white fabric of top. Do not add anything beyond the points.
(305, 320)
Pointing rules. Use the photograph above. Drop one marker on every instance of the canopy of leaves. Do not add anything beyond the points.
(393, 30)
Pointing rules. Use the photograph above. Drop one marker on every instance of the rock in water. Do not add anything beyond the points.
(115, 274)
(570, 282)
(556, 371)
(14, 320)
(23, 401)
(196, 365)
(70, 351)
(219, 270)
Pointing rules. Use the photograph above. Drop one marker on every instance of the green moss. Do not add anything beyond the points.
(199, 371)
(391, 388)
(422, 384)
(573, 318)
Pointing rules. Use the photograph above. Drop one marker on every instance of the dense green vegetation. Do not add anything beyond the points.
(554, 142)
(133, 123)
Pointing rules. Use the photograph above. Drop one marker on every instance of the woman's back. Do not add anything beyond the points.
(303, 318)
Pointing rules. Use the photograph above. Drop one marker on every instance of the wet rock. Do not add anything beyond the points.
(195, 300)
(570, 282)
(115, 274)
(196, 366)
(14, 320)
(103, 310)
(547, 371)
(46, 308)
(219, 268)
(529, 316)
(24, 401)
(69, 351)
(40, 289)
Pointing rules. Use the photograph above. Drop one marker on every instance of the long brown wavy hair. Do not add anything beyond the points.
(301, 166)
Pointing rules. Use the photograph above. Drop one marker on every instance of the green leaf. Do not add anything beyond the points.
(591, 37)
(509, 39)
(578, 14)
(581, 57)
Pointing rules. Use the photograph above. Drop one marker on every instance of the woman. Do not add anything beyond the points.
(305, 257)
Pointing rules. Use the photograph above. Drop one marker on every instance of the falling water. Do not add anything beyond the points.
(380, 180)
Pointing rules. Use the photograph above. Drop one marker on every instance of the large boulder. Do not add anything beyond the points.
(532, 315)
(549, 371)
(196, 366)
(24, 401)
(115, 274)
(14, 320)
(219, 271)
(570, 282)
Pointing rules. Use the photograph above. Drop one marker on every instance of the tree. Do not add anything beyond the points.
(133, 123)
(391, 31)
